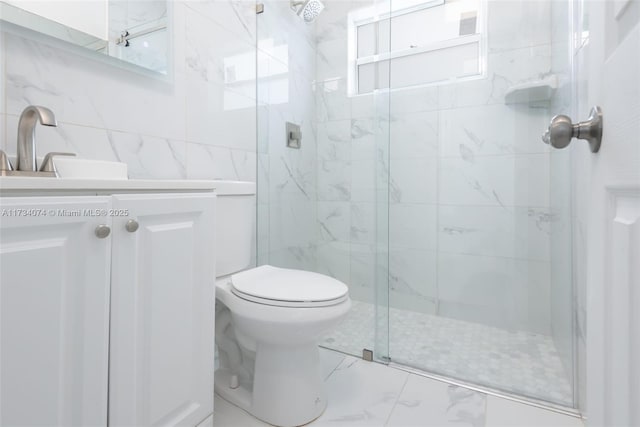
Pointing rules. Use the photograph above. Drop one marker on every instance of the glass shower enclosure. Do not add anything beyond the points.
(422, 182)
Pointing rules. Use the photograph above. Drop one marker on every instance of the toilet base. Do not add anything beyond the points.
(288, 388)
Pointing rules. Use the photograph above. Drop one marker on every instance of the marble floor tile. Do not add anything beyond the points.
(429, 403)
(228, 415)
(373, 395)
(361, 394)
(329, 361)
(506, 413)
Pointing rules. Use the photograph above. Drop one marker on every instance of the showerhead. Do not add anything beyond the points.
(308, 10)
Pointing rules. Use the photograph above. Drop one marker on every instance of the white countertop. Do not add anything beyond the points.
(15, 184)
(27, 186)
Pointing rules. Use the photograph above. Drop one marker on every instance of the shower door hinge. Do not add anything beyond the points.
(259, 8)
(368, 356)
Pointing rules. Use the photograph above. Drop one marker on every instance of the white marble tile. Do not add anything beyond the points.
(230, 63)
(296, 257)
(213, 162)
(495, 181)
(414, 100)
(361, 393)
(365, 106)
(150, 157)
(329, 361)
(332, 102)
(412, 226)
(503, 413)
(412, 272)
(81, 90)
(495, 231)
(363, 272)
(502, 292)
(219, 116)
(414, 134)
(333, 259)
(331, 60)
(363, 223)
(363, 180)
(334, 180)
(520, 23)
(476, 131)
(228, 415)
(425, 402)
(413, 180)
(401, 300)
(334, 221)
(332, 23)
(334, 140)
(292, 177)
(366, 133)
(237, 16)
(297, 40)
(292, 224)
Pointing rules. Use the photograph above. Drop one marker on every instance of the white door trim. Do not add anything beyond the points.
(613, 325)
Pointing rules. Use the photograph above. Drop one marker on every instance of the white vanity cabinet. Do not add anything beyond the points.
(162, 300)
(116, 329)
(54, 312)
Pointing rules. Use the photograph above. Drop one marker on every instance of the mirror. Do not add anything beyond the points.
(133, 31)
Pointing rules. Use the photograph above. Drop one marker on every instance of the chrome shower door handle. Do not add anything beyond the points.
(561, 130)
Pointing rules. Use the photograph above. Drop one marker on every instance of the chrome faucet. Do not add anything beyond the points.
(26, 159)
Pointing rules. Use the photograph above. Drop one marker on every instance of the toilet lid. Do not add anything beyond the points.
(284, 287)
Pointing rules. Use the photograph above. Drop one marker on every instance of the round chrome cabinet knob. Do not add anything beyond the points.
(102, 231)
(132, 226)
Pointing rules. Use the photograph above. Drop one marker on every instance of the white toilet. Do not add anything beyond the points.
(268, 321)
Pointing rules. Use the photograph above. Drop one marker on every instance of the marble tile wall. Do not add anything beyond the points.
(469, 212)
(197, 125)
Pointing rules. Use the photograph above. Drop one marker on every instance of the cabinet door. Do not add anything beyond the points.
(54, 311)
(162, 322)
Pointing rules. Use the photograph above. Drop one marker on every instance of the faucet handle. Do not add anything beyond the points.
(5, 164)
(48, 164)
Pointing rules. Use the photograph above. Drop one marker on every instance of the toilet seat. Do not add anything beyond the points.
(283, 287)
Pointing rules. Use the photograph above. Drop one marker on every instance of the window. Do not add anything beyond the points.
(422, 42)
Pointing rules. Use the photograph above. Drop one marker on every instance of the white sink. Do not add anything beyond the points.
(73, 167)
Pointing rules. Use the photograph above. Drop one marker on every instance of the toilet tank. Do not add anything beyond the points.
(235, 225)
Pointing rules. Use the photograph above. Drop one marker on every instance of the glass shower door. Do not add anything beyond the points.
(480, 286)
(323, 207)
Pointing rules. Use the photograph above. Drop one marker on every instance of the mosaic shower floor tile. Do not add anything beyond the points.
(519, 362)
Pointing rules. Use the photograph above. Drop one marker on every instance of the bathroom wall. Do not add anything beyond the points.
(469, 218)
(200, 124)
(352, 161)
(286, 176)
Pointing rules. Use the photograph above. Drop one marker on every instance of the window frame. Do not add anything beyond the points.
(380, 12)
